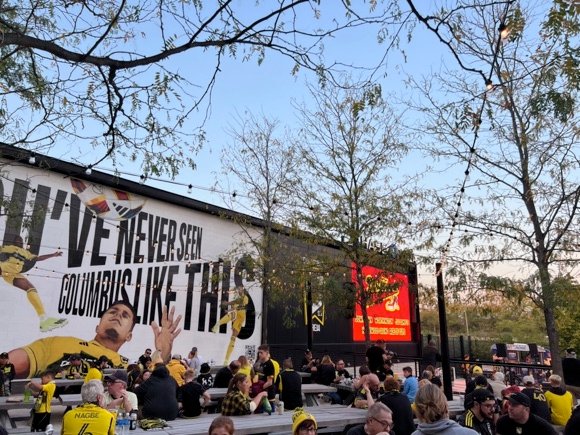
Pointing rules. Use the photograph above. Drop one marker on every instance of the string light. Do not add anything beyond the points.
(89, 170)
(32, 159)
(189, 188)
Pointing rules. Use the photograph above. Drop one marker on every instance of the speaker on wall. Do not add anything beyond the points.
(501, 350)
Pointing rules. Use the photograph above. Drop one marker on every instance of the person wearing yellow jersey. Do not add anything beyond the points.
(44, 392)
(90, 417)
(114, 329)
(14, 259)
(236, 315)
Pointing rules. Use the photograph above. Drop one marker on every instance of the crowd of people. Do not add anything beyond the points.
(157, 389)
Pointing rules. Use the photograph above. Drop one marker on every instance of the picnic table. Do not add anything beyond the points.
(311, 392)
(15, 402)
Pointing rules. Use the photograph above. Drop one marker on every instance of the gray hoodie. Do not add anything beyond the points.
(443, 427)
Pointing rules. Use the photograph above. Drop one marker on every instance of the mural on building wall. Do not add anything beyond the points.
(94, 270)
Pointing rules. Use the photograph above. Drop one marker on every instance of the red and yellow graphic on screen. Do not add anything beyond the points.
(390, 319)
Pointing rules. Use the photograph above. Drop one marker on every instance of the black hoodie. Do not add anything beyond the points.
(158, 395)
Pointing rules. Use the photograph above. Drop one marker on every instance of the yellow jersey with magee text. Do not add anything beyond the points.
(88, 419)
(50, 352)
(44, 398)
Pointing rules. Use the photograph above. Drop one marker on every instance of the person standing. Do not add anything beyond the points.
(430, 355)
(267, 371)
(411, 384)
(479, 416)
(376, 356)
(7, 374)
(520, 421)
(289, 386)
(560, 401)
(44, 393)
(90, 417)
(194, 360)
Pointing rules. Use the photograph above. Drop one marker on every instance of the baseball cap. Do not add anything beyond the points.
(528, 380)
(519, 399)
(477, 370)
(176, 356)
(117, 375)
(74, 357)
(480, 395)
(204, 369)
(4, 355)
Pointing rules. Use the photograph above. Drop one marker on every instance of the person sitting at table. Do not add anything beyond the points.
(146, 374)
(398, 403)
(237, 400)
(326, 376)
(205, 377)
(303, 423)
(289, 386)
(90, 417)
(369, 391)
(433, 413)
(379, 421)
(117, 397)
(133, 373)
(246, 367)
(158, 394)
(221, 426)
(44, 393)
(96, 372)
(77, 368)
(189, 395)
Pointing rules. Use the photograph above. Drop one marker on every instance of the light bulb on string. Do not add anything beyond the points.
(89, 170)
(32, 159)
(189, 188)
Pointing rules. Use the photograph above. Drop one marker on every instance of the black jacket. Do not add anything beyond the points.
(158, 395)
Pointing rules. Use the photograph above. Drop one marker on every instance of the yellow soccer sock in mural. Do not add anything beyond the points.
(230, 350)
(34, 299)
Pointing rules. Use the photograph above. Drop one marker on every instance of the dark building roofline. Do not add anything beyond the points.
(68, 169)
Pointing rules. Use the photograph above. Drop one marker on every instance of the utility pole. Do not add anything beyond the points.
(309, 313)
(445, 362)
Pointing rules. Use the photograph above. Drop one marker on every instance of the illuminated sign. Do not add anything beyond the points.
(390, 319)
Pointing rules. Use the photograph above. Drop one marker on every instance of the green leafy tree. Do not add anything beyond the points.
(350, 143)
(508, 116)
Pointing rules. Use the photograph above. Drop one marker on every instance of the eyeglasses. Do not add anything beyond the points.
(307, 429)
(114, 382)
(387, 424)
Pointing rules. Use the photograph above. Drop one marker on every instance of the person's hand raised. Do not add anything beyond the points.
(165, 334)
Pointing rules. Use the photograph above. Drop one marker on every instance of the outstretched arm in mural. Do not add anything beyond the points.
(13, 259)
(237, 315)
(165, 334)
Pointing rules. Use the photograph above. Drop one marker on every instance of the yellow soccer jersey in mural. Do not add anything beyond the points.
(50, 352)
(12, 261)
